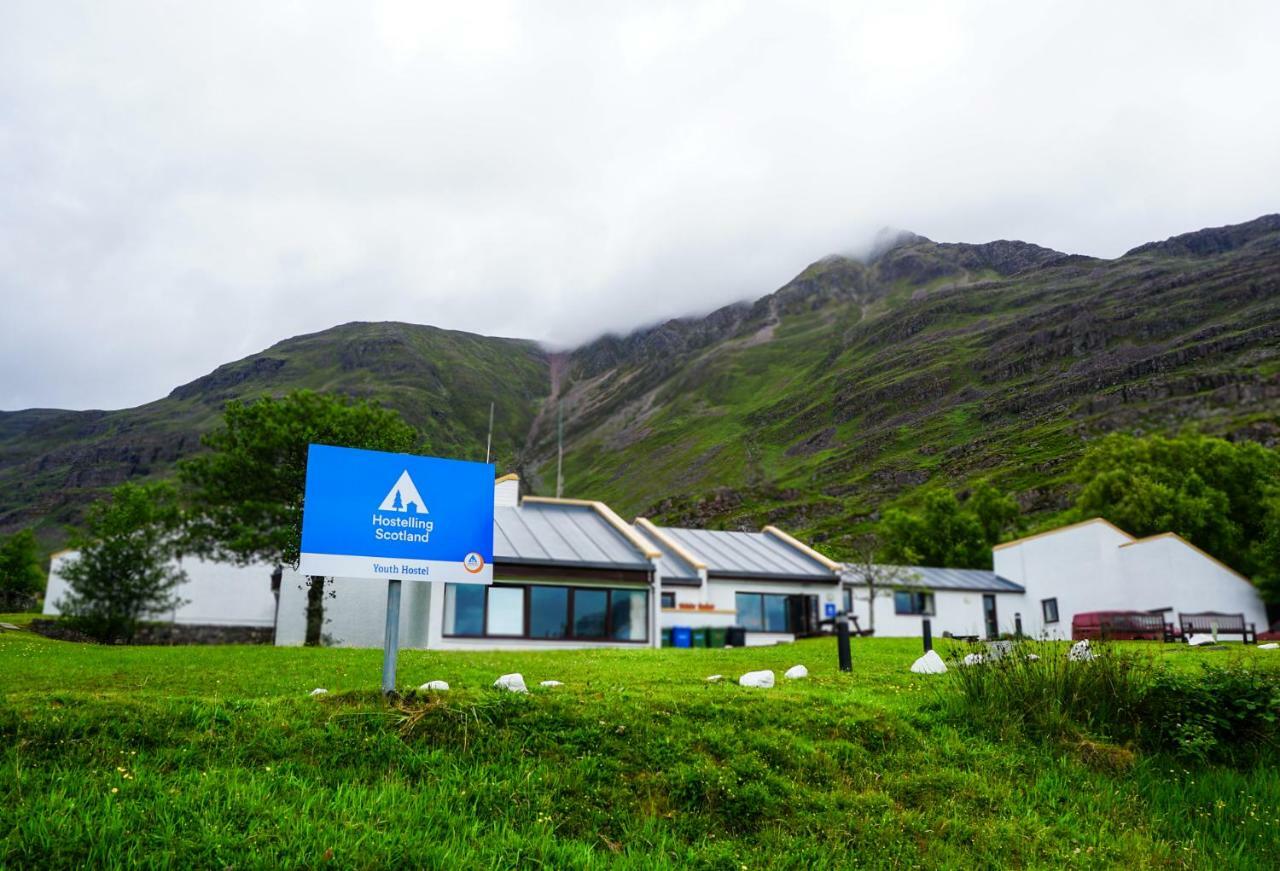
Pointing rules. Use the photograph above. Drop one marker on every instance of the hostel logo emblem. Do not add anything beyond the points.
(404, 497)
(473, 562)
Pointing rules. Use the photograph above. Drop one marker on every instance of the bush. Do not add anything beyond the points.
(1228, 713)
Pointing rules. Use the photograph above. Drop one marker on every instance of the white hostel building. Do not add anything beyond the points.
(567, 574)
(961, 602)
(767, 582)
(1096, 566)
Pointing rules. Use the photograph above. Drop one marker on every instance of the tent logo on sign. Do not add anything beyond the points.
(404, 503)
(404, 497)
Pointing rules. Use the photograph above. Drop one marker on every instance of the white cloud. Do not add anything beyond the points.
(180, 186)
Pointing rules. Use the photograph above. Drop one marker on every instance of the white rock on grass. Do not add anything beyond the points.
(1270, 645)
(435, 686)
(998, 649)
(551, 683)
(511, 682)
(319, 691)
(715, 677)
(930, 663)
(1080, 652)
(1200, 640)
(796, 672)
(1033, 657)
(761, 679)
(973, 659)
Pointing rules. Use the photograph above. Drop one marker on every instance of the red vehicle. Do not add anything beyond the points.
(1121, 626)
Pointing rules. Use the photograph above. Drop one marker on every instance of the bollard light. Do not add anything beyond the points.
(927, 630)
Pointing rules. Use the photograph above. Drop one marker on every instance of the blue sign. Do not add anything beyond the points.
(371, 514)
(829, 609)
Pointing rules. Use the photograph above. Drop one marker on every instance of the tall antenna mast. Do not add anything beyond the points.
(488, 442)
(559, 449)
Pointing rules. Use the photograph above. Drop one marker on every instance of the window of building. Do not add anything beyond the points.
(505, 611)
(848, 600)
(464, 609)
(627, 615)
(764, 612)
(912, 602)
(590, 613)
(587, 613)
(1050, 609)
(668, 600)
(548, 612)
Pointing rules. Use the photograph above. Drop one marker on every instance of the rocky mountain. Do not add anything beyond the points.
(814, 406)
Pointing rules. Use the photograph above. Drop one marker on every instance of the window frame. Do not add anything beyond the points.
(923, 603)
(570, 636)
(1044, 610)
(668, 600)
(764, 624)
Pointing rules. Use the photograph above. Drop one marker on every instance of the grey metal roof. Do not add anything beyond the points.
(541, 533)
(670, 566)
(747, 554)
(977, 580)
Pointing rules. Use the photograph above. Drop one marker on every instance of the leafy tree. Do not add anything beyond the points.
(947, 532)
(1219, 495)
(124, 571)
(20, 574)
(246, 492)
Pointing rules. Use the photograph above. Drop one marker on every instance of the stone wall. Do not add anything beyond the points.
(168, 633)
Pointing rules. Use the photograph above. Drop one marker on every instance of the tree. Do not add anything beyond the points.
(880, 579)
(997, 513)
(124, 571)
(1219, 495)
(941, 533)
(246, 492)
(20, 575)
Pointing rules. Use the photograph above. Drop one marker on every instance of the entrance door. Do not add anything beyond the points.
(804, 615)
(989, 615)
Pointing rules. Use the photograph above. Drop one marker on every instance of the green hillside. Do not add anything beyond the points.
(815, 406)
(53, 462)
(933, 364)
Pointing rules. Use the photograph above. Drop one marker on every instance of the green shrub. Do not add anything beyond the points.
(1222, 713)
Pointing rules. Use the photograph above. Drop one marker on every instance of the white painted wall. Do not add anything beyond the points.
(356, 614)
(1095, 567)
(956, 611)
(215, 594)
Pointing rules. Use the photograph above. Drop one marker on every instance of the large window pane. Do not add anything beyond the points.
(506, 611)
(548, 612)
(750, 614)
(629, 612)
(775, 614)
(589, 609)
(463, 609)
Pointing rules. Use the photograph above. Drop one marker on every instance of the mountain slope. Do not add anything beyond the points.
(53, 462)
(934, 363)
(814, 406)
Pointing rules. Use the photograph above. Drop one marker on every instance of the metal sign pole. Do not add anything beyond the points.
(391, 640)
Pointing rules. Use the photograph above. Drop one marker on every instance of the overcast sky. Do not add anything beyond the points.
(185, 184)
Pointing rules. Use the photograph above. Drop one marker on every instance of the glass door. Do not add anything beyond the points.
(989, 615)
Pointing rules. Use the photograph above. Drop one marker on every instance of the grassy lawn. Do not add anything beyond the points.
(218, 757)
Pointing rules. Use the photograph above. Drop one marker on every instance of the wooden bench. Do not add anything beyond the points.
(1215, 623)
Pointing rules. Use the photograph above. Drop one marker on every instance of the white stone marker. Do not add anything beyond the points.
(1201, 640)
(761, 679)
(796, 672)
(511, 682)
(319, 691)
(930, 663)
(551, 683)
(1080, 652)
(1270, 645)
(973, 659)
(435, 686)
(715, 677)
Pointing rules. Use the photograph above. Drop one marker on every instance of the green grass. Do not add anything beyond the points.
(217, 757)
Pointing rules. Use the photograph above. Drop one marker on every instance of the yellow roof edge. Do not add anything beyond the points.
(1202, 553)
(1058, 529)
(510, 476)
(638, 541)
(676, 547)
(803, 548)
